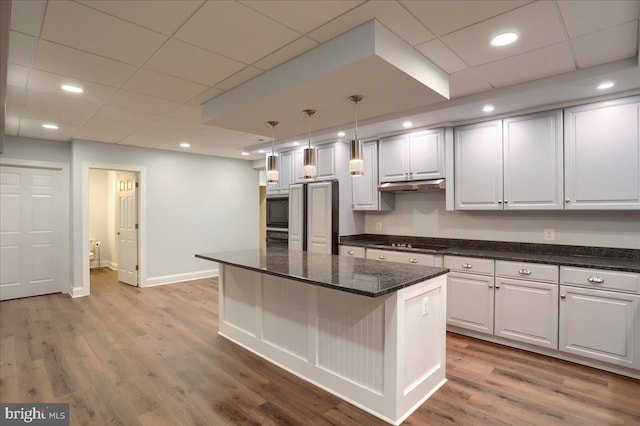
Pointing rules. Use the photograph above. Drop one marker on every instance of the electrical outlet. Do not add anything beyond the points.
(549, 234)
(425, 306)
(378, 226)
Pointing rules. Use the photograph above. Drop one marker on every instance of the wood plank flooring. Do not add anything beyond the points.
(152, 356)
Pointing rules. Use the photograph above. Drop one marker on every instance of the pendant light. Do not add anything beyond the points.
(272, 160)
(309, 170)
(356, 162)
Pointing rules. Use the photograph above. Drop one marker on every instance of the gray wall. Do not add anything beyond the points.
(424, 214)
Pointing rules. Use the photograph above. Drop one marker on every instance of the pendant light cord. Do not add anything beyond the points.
(309, 127)
(355, 106)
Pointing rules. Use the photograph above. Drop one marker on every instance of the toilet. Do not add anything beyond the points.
(92, 250)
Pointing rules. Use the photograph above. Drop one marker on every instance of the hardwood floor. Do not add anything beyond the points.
(153, 357)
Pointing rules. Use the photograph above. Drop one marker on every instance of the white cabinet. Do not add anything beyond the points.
(330, 162)
(365, 188)
(296, 217)
(470, 298)
(321, 218)
(526, 303)
(285, 168)
(602, 155)
(412, 156)
(515, 164)
(352, 251)
(401, 257)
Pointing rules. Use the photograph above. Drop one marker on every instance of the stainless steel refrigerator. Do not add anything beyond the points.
(313, 216)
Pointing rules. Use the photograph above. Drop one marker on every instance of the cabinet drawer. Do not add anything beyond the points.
(352, 251)
(527, 271)
(600, 279)
(473, 265)
(401, 257)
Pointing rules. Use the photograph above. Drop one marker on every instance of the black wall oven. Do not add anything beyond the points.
(277, 222)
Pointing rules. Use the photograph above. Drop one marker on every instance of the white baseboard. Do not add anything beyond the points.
(103, 264)
(170, 279)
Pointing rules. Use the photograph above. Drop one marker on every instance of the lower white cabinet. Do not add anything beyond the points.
(470, 301)
(401, 257)
(352, 251)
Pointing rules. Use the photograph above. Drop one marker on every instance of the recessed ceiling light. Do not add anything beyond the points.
(407, 124)
(245, 153)
(605, 85)
(296, 143)
(341, 134)
(261, 151)
(185, 145)
(72, 89)
(504, 39)
(50, 126)
(488, 108)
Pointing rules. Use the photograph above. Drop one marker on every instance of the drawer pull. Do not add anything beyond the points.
(413, 260)
(596, 280)
(497, 285)
(490, 285)
(563, 296)
(467, 265)
(524, 272)
(382, 256)
(350, 252)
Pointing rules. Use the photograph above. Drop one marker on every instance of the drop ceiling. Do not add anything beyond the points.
(146, 66)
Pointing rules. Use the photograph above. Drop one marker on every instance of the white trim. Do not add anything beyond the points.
(176, 278)
(65, 246)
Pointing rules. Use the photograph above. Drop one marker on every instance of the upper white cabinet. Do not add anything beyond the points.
(412, 156)
(515, 164)
(365, 188)
(285, 168)
(602, 155)
(330, 160)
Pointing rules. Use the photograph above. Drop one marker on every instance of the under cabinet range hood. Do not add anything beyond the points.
(415, 186)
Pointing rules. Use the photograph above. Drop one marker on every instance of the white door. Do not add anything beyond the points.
(296, 216)
(127, 230)
(320, 217)
(31, 214)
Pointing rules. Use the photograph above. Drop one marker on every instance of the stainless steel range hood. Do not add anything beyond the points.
(415, 186)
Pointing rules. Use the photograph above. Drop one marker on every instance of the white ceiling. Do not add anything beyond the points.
(146, 66)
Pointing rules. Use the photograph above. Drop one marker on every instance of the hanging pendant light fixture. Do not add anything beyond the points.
(356, 161)
(272, 159)
(309, 170)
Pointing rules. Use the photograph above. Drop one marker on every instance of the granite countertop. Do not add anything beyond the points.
(582, 256)
(361, 276)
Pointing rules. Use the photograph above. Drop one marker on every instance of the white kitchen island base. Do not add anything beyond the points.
(384, 354)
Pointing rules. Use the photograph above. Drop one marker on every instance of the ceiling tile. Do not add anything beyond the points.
(125, 115)
(100, 135)
(583, 17)
(302, 16)
(442, 56)
(445, 16)
(160, 133)
(17, 75)
(51, 83)
(466, 82)
(21, 48)
(289, 51)
(26, 16)
(144, 141)
(11, 125)
(83, 28)
(74, 63)
(192, 63)
(204, 96)
(58, 108)
(162, 85)
(217, 22)
(176, 125)
(528, 66)
(33, 129)
(238, 78)
(607, 45)
(16, 97)
(142, 103)
(164, 16)
(106, 124)
(213, 134)
(472, 43)
(190, 113)
(391, 14)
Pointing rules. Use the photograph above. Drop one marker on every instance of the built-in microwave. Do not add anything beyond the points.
(278, 212)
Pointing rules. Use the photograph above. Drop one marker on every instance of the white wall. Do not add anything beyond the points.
(424, 215)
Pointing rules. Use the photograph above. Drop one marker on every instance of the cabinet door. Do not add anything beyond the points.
(365, 188)
(527, 311)
(478, 166)
(470, 302)
(352, 251)
(393, 159)
(326, 162)
(602, 325)
(426, 154)
(320, 223)
(602, 155)
(298, 166)
(296, 217)
(532, 150)
(286, 171)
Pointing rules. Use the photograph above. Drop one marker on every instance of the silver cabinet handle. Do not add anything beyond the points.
(413, 260)
(499, 201)
(350, 252)
(524, 272)
(595, 280)
(567, 200)
(563, 296)
(490, 285)
(497, 285)
(506, 201)
(382, 256)
(467, 265)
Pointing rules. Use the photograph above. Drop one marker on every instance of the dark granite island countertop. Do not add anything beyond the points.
(361, 276)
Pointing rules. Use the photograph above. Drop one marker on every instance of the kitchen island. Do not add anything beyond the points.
(370, 332)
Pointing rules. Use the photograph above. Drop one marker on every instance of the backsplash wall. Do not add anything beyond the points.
(424, 215)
